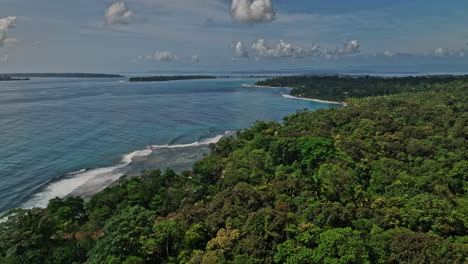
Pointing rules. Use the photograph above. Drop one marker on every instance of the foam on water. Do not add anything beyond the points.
(53, 126)
(88, 182)
(213, 140)
(127, 159)
(70, 182)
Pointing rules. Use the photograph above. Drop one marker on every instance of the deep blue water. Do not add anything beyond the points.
(53, 127)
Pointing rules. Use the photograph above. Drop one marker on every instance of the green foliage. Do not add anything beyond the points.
(422, 248)
(122, 234)
(426, 213)
(26, 236)
(340, 246)
(342, 87)
(134, 260)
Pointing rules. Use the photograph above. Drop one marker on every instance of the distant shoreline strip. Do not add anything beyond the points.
(87, 182)
(314, 100)
(296, 97)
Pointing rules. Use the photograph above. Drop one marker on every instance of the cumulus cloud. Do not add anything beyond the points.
(388, 53)
(195, 58)
(349, 48)
(240, 50)
(167, 56)
(160, 56)
(6, 24)
(4, 58)
(283, 49)
(118, 13)
(440, 52)
(10, 41)
(445, 52)
(252, 11)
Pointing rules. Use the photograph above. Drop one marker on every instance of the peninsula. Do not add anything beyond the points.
(341, 87)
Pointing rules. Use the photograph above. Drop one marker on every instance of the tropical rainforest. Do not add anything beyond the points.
(340, 88)
(383, 180)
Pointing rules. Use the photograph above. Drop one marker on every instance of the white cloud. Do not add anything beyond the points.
(167, 56)
(440, 52)
(388, 53)
(160, 56)
(283, 49)
(4, 58)
(118, 13)
(240, 50)
(195, 58)
(10, 41)
(445, 52)
(252, 11)
(6, 24)
(349, 48)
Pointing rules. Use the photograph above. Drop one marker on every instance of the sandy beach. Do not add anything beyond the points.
(314, 100)
(296, 97)
(264, 86)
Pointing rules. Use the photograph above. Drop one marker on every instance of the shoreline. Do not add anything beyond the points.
(264, 86)
(314, 100)
(87, 182)
(297, 97)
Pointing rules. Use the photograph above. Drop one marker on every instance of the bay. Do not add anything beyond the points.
(62, 136)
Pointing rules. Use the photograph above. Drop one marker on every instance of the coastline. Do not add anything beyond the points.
(87, 182)
(296, 97)
(264, 86)
(314, 100)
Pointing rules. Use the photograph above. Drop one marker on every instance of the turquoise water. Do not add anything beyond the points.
(59, 134)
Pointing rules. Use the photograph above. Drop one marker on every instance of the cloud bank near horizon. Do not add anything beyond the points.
(168, 56)
(350, 47)
(159, 56)
(284, 49)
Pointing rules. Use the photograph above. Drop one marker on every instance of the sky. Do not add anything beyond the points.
(232, 35)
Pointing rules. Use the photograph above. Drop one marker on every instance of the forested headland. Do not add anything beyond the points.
(383, 180)
(339, 88)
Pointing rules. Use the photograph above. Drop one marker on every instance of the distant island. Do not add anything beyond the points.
(61, 75)
(169, 78)
(8, 78)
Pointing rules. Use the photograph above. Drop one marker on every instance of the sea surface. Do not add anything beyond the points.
(66, 136)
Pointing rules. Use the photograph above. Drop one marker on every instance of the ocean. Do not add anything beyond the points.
(67, 136)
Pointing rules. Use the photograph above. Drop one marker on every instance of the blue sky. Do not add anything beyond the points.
(145, 35)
